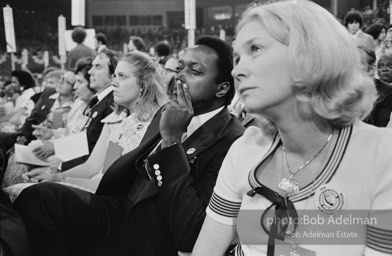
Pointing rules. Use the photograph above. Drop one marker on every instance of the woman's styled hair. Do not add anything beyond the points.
(153, 94)
(83, 65)
(323, 59)
(25, 79)
(375, 30)
(353, 16)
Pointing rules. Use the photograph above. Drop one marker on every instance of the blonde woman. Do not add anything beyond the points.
(298, 67)
(138, 94)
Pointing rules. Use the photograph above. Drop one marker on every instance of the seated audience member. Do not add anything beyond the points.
(378, 32)
(74, 124)
(389, 30)
(23, 86)
(37, 115)
(63, 100)
(170, 70)
(152, 200)
(101, 76)
(297, 66)
(386, 47)
(76, 117)
(136, 44)
(7, 99)
(368, 60)
(353, 22)
(138, 94)
(380, 115)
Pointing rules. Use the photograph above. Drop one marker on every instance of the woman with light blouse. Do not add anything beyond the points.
(297, 66)
(138, 94)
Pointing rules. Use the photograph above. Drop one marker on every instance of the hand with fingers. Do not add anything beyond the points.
(21, 139)
(44, 151)
(52, 177)
(32, 176)
(176, 115)
(42, 132)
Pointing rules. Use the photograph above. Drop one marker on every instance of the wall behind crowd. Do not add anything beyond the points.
(41, 35)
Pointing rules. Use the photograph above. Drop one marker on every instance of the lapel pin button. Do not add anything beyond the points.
(191, 151)
(95, 114)
(139, 127)
(43, 107)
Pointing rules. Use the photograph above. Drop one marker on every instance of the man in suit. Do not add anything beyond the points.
(381, 113)
(152, 200)
(353, 22)
(101, 75)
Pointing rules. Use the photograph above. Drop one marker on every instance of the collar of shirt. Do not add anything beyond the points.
(54, 96)
(355, 36)
(115, 118)
(199, 120)
(105, 92)
(28, 93)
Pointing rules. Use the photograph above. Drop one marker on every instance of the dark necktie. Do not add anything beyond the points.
(90, 105)
(93, 102)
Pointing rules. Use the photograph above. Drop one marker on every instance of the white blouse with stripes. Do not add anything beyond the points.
(346, 211)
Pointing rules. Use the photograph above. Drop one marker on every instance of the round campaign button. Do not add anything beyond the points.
(191, 151)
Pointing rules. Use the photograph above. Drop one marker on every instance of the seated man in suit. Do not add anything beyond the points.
(381, 113)
(152, 200)
(101, 76)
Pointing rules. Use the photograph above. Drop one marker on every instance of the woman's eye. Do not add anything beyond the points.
(236, 60)
(255, 49)
(178, 69)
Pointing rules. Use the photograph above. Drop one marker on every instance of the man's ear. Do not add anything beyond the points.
(222, 89)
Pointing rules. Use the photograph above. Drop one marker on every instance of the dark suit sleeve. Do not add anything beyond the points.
(13, 235)
(181, 199)
(37, 115)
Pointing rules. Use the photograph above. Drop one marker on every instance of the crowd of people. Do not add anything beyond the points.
(220, 149)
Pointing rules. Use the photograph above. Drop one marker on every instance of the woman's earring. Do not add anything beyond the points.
(140, 92)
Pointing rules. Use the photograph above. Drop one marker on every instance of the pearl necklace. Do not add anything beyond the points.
(290, 187)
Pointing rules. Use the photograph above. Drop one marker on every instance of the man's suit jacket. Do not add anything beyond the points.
(363, 39)
(163, 220)
(38, 114)
(382, 109)
(98, 112)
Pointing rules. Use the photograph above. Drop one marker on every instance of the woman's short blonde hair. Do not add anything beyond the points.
(323, 59)
(153, 93)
